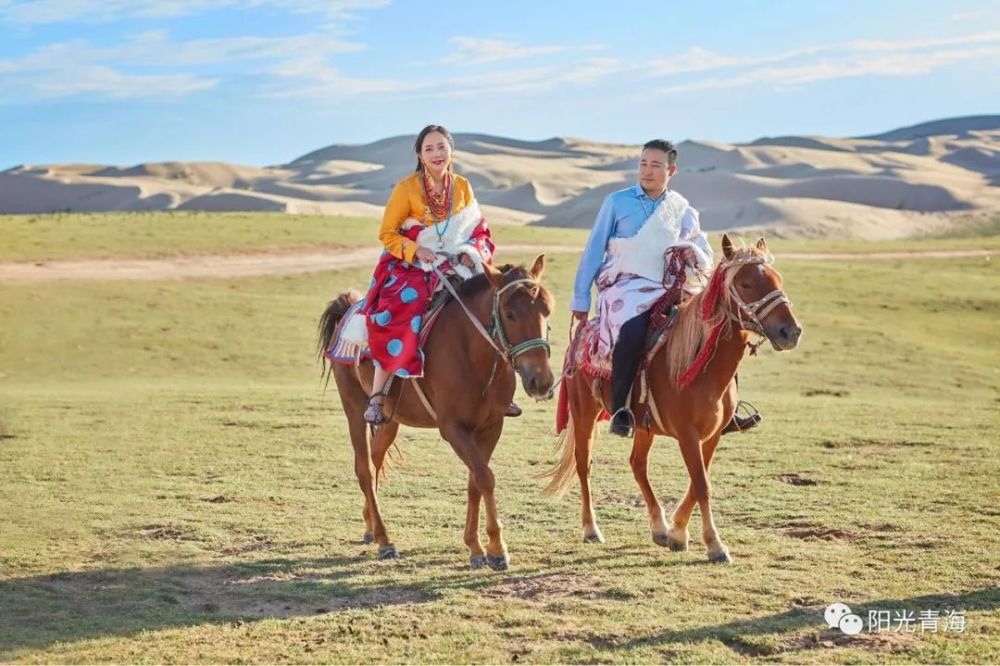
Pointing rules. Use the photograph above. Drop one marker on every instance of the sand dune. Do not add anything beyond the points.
(905, 182)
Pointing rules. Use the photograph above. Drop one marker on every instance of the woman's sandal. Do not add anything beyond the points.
(374, 415)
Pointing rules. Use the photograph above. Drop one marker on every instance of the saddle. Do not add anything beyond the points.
(581, 353)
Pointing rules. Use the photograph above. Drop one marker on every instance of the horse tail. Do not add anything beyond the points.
(561, 475)
(328, 321)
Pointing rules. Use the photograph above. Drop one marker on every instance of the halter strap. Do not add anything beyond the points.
(504, 349)
(513, 351)
(751, 315)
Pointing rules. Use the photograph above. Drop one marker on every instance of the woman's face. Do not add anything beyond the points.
(435, 153)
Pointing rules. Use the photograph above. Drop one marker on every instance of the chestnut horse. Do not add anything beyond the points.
(467, 385)
(692, 393)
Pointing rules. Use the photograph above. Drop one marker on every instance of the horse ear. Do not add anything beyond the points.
(762, 244)
(493, 275)
(538, 268)
(727, 247)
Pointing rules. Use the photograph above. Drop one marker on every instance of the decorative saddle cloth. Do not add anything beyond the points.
(582, 352)
(345, 351)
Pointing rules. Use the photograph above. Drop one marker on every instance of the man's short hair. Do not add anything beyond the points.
(665, 146)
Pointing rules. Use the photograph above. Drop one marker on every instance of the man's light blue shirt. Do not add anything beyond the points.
(621, 216)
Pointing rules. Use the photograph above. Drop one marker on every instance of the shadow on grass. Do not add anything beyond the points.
(739, 635)
(38, 611)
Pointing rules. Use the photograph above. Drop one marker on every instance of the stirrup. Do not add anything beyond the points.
(374, 414)
(741, 423)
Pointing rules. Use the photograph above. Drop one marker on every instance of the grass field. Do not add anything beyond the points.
(176, 487)
(179, 233)
(159, 234)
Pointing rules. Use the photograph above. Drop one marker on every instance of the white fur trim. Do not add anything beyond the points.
(642, 254)
(454, 234)
(355, 330)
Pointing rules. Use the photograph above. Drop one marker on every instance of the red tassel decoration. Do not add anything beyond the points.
(712, 293)
(702, 358)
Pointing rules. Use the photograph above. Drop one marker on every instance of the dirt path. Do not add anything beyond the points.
(231, 266)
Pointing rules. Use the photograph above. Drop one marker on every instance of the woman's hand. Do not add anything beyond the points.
(425, 255)
(467, 261)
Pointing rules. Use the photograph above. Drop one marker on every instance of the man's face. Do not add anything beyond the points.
(653, 170)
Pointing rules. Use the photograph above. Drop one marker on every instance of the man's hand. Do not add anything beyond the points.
(580, 316)
(425, 255)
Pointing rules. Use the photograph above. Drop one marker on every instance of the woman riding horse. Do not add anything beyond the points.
(402, 285)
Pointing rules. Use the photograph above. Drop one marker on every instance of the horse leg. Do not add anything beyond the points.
(642, 442)
(678, 535)
(584, 415)
(383, 440)
(487, 441)
(477, 556)
(364, 469)
(467, 448)
(700, 490)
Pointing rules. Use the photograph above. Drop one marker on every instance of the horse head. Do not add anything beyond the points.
(757, 301)
(521, 310)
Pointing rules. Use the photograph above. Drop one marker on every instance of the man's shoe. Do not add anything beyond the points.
(622, 423)
(513, 410)
(742, 423)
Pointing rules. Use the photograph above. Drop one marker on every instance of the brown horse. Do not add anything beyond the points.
(468, 383)
(691, 389)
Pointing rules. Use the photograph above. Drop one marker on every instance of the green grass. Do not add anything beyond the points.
(167, 234)
(177, 488)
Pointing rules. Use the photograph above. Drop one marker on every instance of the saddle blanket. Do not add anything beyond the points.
(583, 350)
(345, 351)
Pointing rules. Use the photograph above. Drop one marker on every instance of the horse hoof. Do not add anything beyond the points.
(720, 557)
(369, 538)
(388, 553)
(478, 561)
(675, 544)
(593, 536)
(498, 562)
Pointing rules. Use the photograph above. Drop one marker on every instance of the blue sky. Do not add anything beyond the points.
(264, 81)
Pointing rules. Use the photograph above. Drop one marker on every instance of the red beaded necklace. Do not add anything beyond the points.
(438, 205)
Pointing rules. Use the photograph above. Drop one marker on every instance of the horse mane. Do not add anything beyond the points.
(702, 313)
(477, 284)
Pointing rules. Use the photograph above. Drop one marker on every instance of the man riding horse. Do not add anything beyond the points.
(624, 255)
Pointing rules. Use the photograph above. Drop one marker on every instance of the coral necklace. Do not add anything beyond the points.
(439, 206)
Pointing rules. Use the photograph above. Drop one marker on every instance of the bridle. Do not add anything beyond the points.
(496, 335)
(750, 316)
(506, 348)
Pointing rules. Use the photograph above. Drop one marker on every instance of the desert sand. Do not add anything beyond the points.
(904, 183)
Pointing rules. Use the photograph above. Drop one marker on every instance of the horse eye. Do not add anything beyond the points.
(508, 316)
(744, 285)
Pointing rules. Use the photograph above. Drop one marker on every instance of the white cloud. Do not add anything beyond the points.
(477, 51)
(103, 81)
(903, 64)
(147, 58)
(797, 67)
(318, 81)
(971, 15)
(58, 11)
